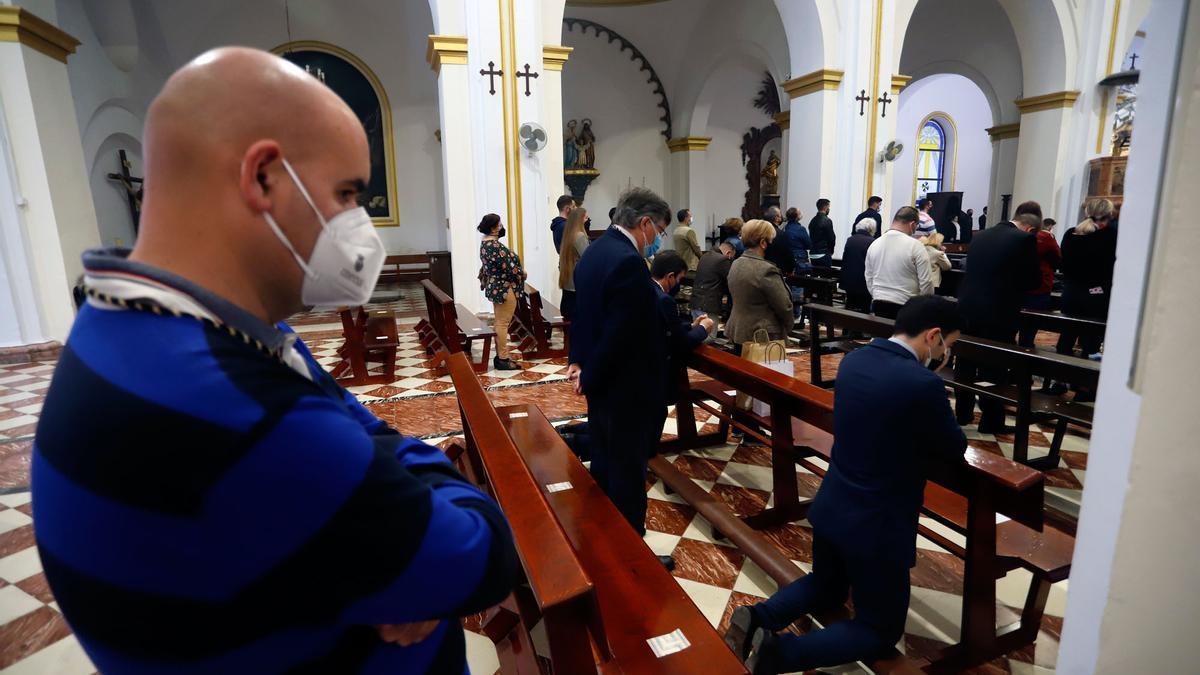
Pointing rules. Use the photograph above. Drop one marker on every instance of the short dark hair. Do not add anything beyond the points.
(565, 201)
(906, 214)
(489, 222)
(1049, 222)
(612, 212)
(1029, 207)
(875, 199)
(923, 312)
(793, 213)
(683, 214)
(637, 203)
(924, 202)
(667, 262)
(822, 203)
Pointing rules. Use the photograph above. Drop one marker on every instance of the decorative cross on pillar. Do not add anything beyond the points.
(491, 74)
(862, 99)
(528, 77)
(1133, 61)
(885, 100)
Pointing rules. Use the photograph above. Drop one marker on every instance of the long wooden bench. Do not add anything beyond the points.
(1057, 322)
(450, 327)
(1022, 363)
(628, 598)
(533, 326)
(968, 497)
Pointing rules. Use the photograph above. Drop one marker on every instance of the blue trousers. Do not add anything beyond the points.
(880, 590)
(797, 300)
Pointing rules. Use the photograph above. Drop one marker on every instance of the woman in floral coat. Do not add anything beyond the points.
(502, 279)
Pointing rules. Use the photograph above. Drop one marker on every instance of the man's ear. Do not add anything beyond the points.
(260, 170)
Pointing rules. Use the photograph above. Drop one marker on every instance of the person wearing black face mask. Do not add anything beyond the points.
(891, 419)
(501, 278)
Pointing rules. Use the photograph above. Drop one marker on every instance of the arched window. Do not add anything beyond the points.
(931, 158)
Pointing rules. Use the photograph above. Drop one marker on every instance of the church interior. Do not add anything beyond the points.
(1060, 543)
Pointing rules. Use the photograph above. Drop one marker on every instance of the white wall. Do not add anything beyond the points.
(730, 117)
(603, 84)
(968, 167)
(389, 37)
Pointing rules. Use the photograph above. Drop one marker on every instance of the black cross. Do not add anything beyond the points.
(885, 100)
(527, 75)
(1133, 61)
(134, 195)
(862, 99)
(491, 73)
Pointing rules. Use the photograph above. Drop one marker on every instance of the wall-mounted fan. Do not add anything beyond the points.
(893, 150)
(532, 137)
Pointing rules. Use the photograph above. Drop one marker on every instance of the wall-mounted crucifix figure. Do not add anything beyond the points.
(491, 73)
(862, 99)
(528, 77)
(1133, 61)
(885, 100)
(132, 193)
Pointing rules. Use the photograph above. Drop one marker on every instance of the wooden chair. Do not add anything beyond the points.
(368, 336)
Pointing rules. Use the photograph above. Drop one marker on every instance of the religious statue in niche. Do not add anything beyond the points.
(579, 157)
(1123, 119)
(770, 175)
(347, 81)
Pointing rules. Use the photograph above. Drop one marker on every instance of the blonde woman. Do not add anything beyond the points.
(734, 227)
(575, 241)
(1089, 251)
(761, 299)
(938, 261)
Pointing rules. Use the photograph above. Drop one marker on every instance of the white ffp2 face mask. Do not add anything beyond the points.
(346, 260)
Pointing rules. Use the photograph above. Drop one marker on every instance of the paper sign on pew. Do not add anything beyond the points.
(665, 645)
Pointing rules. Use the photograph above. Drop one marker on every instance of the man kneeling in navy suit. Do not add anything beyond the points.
(891, 416)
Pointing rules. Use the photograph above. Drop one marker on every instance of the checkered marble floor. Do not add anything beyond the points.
(34, 638)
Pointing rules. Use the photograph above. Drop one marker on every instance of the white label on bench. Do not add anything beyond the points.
(665, 645)
(985, 384)
(513, 416)
(1001, 519)
(558, 317)
(476, 330)
(731, 392)
(558, 487)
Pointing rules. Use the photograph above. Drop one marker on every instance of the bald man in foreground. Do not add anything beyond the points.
(208, 499)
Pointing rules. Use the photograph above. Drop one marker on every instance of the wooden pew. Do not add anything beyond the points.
(533, 326)
(366, 335)
(967, 497)
(398, 268)
(628, 598)
(450, 327)
(1057, 322)
(1022, 363)
(562, 592)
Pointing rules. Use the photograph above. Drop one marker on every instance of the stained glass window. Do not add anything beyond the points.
(931, 158)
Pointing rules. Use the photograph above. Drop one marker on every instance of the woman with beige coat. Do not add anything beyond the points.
(761, 299)
(938, 261)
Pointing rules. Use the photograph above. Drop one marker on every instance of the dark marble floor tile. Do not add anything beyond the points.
(27, 509)
(37, 586)
(668, 517)
(1075, 460)
(16, 540)
(920, 647)
(30, 633)
(707, 563)
(1062, 478)
(938, 571)
(987, 446)
(15, 460)
(795, 541)
(807, 485)
(436, 386)
(22, 431)
(699, 468)
(752, 453)
(737, 599)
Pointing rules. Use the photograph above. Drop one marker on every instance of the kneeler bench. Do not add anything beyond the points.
(450, 327)
(611, 594)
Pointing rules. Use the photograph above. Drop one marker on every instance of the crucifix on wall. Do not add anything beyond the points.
(491, 73)
(885, 101)
(1133, 61)
(528, 78)
(862, 99)
(134, 195)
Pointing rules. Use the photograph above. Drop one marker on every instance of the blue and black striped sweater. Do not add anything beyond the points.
(204, 507)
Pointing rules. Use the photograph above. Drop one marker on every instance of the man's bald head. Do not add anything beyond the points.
(216, 138)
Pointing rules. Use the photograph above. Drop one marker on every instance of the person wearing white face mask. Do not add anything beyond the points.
(219, 472)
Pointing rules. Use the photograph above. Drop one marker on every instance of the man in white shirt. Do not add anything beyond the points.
(897, 266)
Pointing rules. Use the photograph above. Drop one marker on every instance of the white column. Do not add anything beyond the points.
(1005, 141)
(1042, 151)
(554, 58)
(685, 189)
(47, 218)
(447, 55)
(811, 138)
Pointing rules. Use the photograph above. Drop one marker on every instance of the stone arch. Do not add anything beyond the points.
(115, 26)
(967, 71)
(112, 118)
(697, 117)
(1047, 38)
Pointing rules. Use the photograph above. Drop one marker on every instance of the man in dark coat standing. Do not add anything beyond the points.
(1002, 266)
(873, 205)
(820, 229)
(852, 279)
(618, 350)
